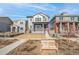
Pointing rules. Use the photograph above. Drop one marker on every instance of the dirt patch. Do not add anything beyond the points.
(31, 47)
(4, 43)
(66, 47)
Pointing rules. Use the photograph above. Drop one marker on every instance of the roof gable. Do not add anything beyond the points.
(6, 20)
(42, 14)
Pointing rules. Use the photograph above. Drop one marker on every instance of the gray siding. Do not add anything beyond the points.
(5, 23)
(4, 27)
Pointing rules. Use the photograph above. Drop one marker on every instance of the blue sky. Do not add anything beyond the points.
(21, 10)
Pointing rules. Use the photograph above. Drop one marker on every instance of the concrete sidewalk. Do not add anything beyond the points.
(7, 49)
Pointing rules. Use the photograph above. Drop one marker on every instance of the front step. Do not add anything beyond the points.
(37, 31)
(36, 35)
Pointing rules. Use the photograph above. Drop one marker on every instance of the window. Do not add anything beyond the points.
(61, 18)
(21, 28)
(37, 19)
(72, 18)
(30, 26)
(44, 19)
(21, 22)
(31, 19)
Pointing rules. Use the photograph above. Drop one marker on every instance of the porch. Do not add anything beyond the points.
(39, 27)
(67, 27)
(14, 28)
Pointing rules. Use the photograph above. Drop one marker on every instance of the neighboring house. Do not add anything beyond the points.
(37, 23)
(65, 23)
(19, 26)
(5, 23)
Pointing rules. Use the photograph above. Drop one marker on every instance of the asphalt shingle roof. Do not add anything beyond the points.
(6, 20)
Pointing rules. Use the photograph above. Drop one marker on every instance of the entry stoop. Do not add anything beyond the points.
(38, 32)
(49, 47)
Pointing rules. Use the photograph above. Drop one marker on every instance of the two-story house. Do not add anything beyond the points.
(37, 23)
(65, 23)
(19, 26)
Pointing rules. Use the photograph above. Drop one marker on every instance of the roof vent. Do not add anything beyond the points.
(64, 13)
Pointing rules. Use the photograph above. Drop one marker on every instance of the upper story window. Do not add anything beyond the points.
(31, 19)
(30, 26)
(44, 19)
(72, 18)
(37, 19)
(21, 22)
(61, 18)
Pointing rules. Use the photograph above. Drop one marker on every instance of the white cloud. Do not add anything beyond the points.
(37, 6)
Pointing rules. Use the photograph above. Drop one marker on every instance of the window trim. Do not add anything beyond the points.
(21, 22)
(21, 28)
(37, 19)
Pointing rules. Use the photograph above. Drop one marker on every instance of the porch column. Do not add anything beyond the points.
(56, 28)
(32, 27)
(68, 26)
(74, 28)
(43, 26)
(16, 29)
(78, 27)
(60, 27)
